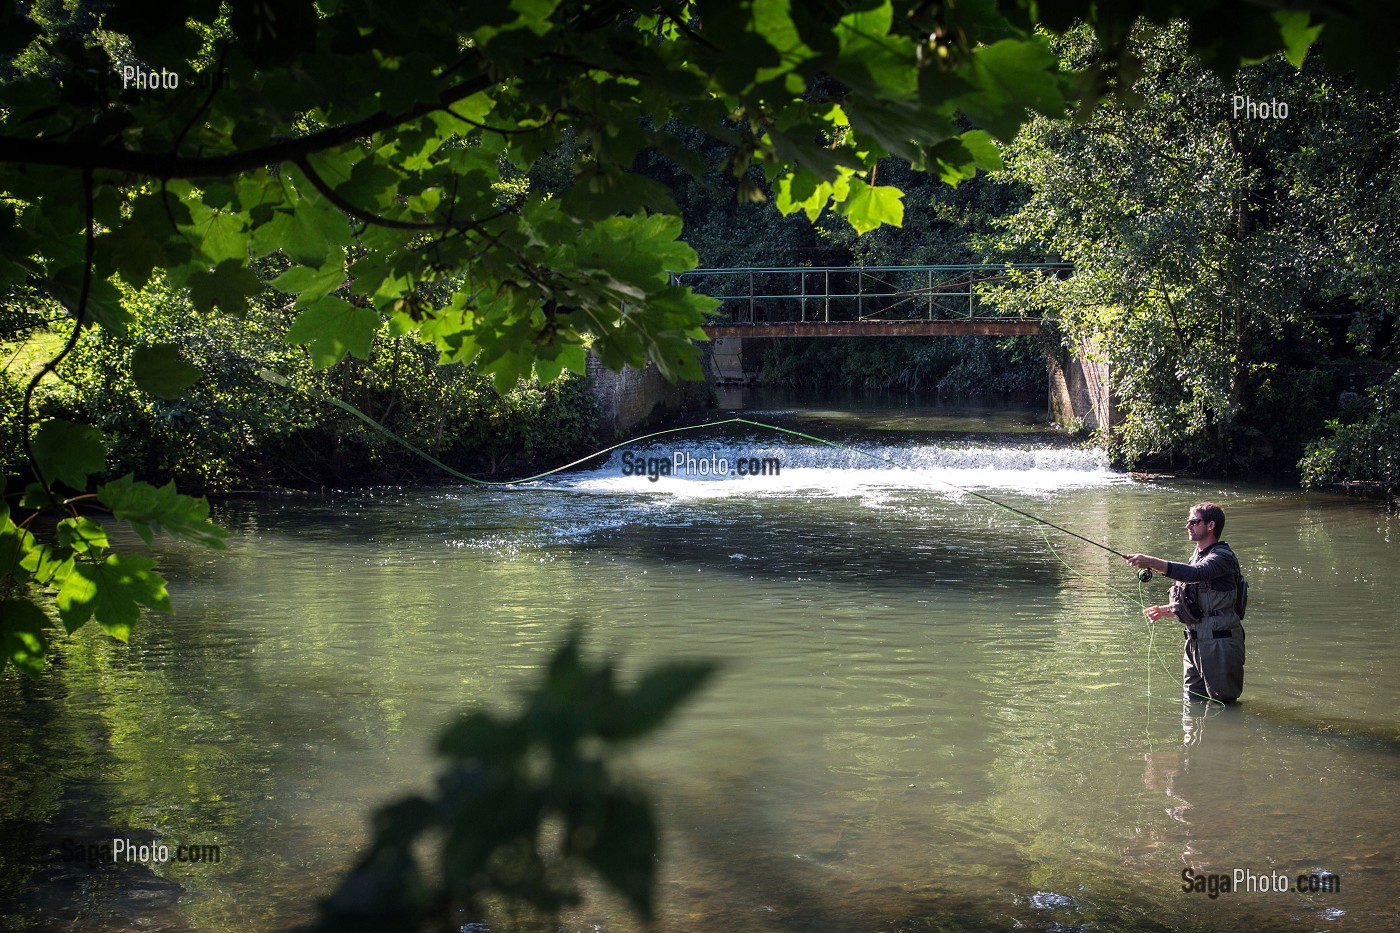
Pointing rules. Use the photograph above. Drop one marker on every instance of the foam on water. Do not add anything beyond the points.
(716, 470)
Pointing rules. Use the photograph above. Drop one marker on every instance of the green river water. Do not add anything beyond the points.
(930, 716)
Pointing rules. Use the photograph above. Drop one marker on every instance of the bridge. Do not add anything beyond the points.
(864, 301)
(889, 301)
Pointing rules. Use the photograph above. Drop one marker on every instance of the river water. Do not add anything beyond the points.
(932, 714)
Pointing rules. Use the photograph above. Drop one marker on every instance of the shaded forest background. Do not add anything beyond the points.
(1237, 273)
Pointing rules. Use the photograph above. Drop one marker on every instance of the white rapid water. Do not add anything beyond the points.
(718, 469)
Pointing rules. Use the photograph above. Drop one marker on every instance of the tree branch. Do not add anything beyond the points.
(369, 217)
(27, 410)
(354, 210)
(166, 166)
(501, 130)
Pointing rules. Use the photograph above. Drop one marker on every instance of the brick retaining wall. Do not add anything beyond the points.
(637, 398)
(1081, 392)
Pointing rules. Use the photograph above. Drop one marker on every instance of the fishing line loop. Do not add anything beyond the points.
(1143, 576)
(277, 379)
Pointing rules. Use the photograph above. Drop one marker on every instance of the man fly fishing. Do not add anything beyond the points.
(1208, 598)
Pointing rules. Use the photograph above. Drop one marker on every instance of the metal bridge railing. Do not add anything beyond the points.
(763, 295)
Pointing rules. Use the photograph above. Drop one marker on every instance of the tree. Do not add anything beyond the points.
(377, 148)
(1200, 249)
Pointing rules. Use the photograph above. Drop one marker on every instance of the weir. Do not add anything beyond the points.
(708, 458)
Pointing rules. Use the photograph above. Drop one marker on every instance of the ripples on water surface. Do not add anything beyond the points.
(931, 716)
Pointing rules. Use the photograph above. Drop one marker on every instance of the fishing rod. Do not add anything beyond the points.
(1144, 575)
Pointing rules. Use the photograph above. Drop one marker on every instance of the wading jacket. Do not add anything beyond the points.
(1207, 587)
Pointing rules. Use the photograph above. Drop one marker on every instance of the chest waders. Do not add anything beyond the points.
(1213, 665)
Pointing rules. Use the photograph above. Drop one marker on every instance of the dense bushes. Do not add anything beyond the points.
(234, 428)
(1365, 449)
(1210, 252)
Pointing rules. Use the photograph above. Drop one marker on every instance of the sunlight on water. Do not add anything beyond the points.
(716, 471)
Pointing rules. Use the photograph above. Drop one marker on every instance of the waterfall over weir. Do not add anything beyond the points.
(685, 466)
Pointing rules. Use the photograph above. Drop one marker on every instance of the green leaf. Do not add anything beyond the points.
(546, 371)
(873, 59)
(507, 370)
(901, 128)
(1012, 76)
(37, 497)
(112, 592)
(573, 357)
(161, 370)
(310, 283)
(227, 287)
(371, 183)
(1297, 35)
(802, 190)
(958, 159)
(306, 231)
(46, 566)
(69, 452)
(458, 119)
(16, 544)
(985, 153)
(332, 327)
(133, 253)
(596, 195)
(22, 638)
(147, 508)
(82, 535)
(221, 234)
(657, 695)
(104, 302)
(868, 207)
